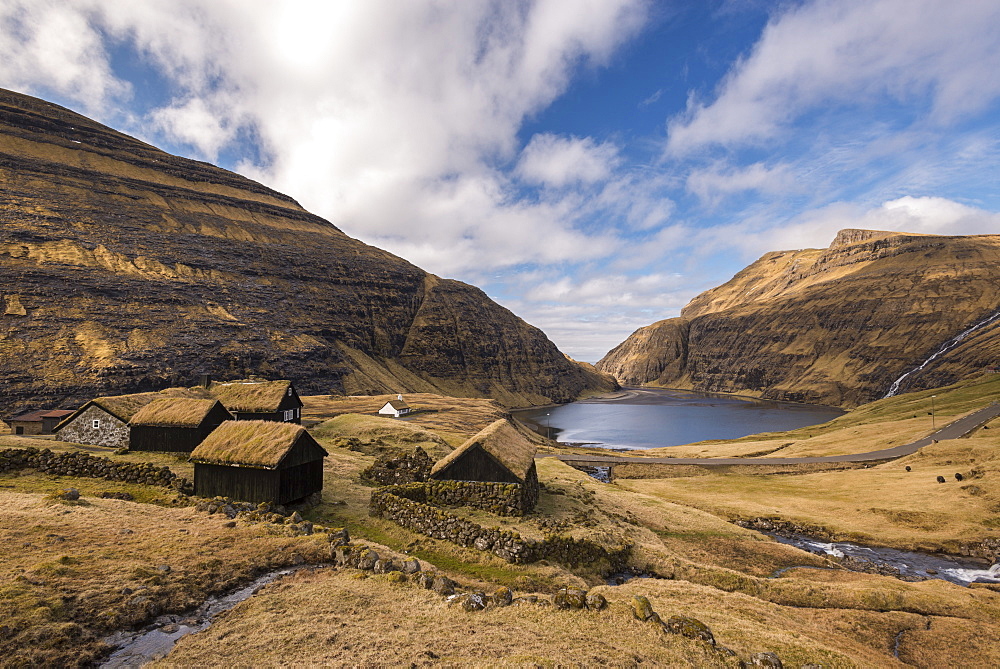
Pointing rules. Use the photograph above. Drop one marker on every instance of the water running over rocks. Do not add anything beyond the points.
(947, 346)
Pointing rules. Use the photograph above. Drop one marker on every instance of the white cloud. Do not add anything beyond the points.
(194, 122)
(851, 52)
(713, 183)
(560, 161)
(45, 48)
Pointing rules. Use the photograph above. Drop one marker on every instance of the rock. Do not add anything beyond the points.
(296, 517)
(526, 599)
(641, 608)
(692, 628)
(940, 479)
(410, 566)
(596, 601)
(165, 568)
(384, 566)
(473, 601)
(443, 585)
(502, 596)
(339, 536)
(69, 494)
(908, 468)
(367, 559)
(570, 598)
(767, 659)
(396, 577)
(959, 477)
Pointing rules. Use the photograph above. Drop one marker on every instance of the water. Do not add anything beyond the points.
(948, 345)
(134, 649)
(650, 418)
(961, 571)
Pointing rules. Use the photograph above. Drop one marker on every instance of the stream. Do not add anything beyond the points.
(156, 640)
(910, 564)
(947, 346)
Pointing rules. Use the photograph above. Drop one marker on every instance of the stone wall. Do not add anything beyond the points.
(111, 432)
(397, 469)
(502, 499)
(410, 506)
(82, 464)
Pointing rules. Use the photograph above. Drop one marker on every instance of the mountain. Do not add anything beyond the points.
(124, 269)
(830, 326)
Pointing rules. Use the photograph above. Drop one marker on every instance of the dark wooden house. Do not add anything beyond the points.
(43, 421)
(175, 424)
(259, 400)
(259, 461)
(499, 453)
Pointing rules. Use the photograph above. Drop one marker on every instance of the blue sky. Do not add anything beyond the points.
(591, 164)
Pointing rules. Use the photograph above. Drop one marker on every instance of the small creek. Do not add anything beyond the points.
(156, 640)
(910, 564)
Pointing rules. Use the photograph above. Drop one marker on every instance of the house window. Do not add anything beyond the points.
(97, 423)
(289, 414)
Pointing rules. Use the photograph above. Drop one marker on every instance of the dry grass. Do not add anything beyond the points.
(72, 568)
(376, 435)
(250, 396)
(174, 412)
(255, 443)
(460, 415)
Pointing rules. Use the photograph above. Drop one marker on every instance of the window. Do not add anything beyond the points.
(289, 414)
(97, 424)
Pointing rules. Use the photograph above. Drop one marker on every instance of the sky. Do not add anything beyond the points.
(591, 164)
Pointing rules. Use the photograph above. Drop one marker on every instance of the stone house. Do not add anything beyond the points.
(104, 421)
(258, 461)
(42, 421)
(500, 453)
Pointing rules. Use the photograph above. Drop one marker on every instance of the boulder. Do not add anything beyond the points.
(692, 628)
(767, 659)
(641, 608)
(367, 559)
(69, 494)
(570, 598)
(502, 596)
(596, 602)
(443, 585)
(473, 601)
(410, 566)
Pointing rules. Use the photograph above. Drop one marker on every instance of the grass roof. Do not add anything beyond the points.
(504, 441)
(250, 396)
(251, 443)
(174, 412)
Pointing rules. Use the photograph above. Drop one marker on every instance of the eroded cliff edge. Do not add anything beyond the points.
(830, 326)
(124, 268)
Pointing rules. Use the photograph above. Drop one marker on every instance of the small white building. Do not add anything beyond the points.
(395, 408)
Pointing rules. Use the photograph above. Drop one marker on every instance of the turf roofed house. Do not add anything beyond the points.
(38, 422)
(259, 461)
(174, 424)
(104, 421)
(259, 400)
(499, 453)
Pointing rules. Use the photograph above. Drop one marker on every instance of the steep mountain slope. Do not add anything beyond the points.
(833, 326)
(123, 268)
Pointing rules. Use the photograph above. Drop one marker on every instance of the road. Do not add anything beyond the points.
(954, 430)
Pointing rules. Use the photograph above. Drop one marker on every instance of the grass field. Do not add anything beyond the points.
(81, 569)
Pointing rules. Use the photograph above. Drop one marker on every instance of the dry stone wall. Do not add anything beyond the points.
(411, 506)
(83, 464)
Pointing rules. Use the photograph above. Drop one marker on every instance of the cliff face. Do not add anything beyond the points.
(832, 326)
(123, 268)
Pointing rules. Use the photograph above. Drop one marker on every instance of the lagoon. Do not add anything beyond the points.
(641, 418)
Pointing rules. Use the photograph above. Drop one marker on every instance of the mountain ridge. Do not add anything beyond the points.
(125, 269)
(829, 326)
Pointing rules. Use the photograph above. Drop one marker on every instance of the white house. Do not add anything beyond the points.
(395, 408)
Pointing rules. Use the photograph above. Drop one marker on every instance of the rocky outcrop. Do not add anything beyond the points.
(126, 269)
(829, 326)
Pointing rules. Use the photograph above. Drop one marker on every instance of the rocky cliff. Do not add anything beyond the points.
(832, 326)
(124, 268)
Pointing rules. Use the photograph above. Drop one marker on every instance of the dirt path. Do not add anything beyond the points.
(954, 430)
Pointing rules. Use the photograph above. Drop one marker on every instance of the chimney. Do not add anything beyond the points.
(399, 397)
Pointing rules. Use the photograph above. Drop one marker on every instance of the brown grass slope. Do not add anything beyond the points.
(126, 269)
(832, 326)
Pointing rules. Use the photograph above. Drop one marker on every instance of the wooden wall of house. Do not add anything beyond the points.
(173, 439)
(300, 481)
(476, 465)
(258, 485)
(242, 483)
